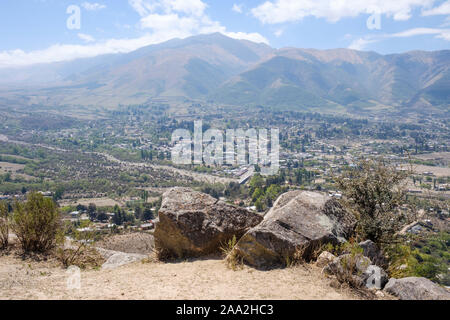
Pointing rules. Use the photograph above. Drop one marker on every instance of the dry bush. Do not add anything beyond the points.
(83, 257)
(232, 258)
(79, 253)
(36, 223)
(374, 191)
(351, 261)
(4, 225)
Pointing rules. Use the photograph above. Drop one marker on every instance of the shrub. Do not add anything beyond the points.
(36, 223)
(232, 258)
(374, 190)
(4, 225)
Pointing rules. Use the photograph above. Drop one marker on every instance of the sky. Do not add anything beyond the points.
(43, 31)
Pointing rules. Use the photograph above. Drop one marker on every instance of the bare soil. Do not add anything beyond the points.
(191, 280)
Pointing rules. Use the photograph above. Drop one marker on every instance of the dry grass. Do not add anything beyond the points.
(193, 280)
(232, 258)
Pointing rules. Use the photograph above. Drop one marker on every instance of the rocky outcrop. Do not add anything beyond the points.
(193, 224)
(121, 258)
(349, 268)
(357, 270)
(414, 288)
(298, 221)
(371, 250)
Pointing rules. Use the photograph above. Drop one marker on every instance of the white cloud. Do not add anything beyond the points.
(92, 6)
(278, 33)
(443, 9)
(361, 43)
(162, 19)
(280, 11)
(86, 37)
(65, 52)
(254, 37)
(237, 8)
(183, 18)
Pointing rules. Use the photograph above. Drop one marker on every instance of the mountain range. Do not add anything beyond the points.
(217, 69)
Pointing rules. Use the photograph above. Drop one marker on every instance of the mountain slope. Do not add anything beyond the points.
(313, 78)
(228, 71)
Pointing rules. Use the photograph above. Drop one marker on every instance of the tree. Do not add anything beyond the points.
(257, 194)
(259, 204)
(92, 211)
(138, 212)
(4, 225)
(119, 216)
(374, 190)
(102, 216)
(81, 207)
(147, 214)
(257, 181)
(58, 193)
(36, 223)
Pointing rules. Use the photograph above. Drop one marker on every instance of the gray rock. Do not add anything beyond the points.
(324, 259)
(193, 224)
(120, 258)
(349, 268)
(414, 288)
(371, 250)
(375, 277)
(298, 219)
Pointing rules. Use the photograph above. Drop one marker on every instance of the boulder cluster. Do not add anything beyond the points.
(193, 224)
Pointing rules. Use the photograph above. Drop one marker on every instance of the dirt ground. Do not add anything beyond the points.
(200, 279)
(137, 242)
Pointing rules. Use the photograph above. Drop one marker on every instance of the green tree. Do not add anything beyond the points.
(374, 190)
(36, 223)
(257, 194)
(147, 214)
(259, 204)
(92, 211)
(59, 192)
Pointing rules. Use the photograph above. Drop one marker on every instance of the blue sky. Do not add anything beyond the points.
(37, 31)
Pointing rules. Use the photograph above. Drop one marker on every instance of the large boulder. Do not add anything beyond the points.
(192, 224)
(300, 221)
(414, 288)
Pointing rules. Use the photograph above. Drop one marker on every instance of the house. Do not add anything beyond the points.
(147, 226)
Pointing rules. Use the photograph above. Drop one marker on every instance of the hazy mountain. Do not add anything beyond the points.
(215, 67)
(345, 77)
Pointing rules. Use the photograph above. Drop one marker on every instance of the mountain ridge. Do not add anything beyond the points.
(223, 70)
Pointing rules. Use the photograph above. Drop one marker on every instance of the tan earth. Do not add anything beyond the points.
(201, 279)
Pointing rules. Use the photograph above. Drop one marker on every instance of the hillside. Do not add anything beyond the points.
(222, 70)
